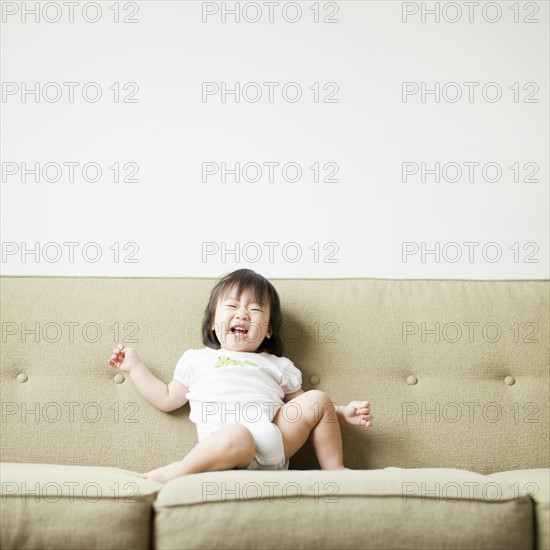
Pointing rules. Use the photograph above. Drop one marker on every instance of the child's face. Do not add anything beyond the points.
(243, 312)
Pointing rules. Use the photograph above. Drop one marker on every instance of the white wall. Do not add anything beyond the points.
(169, 132)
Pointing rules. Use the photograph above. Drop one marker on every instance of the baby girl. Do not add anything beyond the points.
(246, 398)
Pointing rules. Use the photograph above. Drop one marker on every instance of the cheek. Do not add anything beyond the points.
(264, 324)
(217, 321)
(219, 314)
(255, 334)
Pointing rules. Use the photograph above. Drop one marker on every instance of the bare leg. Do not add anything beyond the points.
(312, 413)
(232, 446)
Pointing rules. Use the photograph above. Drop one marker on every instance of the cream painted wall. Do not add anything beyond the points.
(364, 127)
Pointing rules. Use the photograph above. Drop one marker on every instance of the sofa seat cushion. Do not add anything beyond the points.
(57, 506)
(371, 509)
(537, 482)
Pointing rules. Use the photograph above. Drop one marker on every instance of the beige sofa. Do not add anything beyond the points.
(457, 373)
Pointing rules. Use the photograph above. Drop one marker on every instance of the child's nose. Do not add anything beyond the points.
(241, 312)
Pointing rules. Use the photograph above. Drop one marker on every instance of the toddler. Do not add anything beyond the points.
(246, 398)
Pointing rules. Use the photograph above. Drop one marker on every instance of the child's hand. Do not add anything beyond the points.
(358, 414)
(124, 359)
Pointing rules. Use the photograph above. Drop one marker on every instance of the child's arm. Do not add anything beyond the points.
(164, 397)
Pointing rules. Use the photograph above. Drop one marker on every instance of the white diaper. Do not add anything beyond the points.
(270, 452)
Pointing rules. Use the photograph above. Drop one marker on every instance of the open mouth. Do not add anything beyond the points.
(239, 331)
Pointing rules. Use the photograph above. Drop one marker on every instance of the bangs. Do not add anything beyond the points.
(236, 288)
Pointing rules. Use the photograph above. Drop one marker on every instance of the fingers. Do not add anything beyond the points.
(367, 421)
(119, 350)
(363, 410)
(117, 356)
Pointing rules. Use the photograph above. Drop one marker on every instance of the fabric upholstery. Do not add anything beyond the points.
(537, 483)
(456, 404)
(346, 336)
(52, 506)
(392, 508)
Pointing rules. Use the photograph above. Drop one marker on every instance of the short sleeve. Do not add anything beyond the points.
(292, 377)
(184, 368)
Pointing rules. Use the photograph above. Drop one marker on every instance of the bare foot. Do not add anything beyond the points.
(164, 474)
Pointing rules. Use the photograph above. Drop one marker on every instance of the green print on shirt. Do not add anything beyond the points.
(224, 361)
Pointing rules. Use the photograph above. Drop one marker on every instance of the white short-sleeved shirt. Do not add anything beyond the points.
(234, 387)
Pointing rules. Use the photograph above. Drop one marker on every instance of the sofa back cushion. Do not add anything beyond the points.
(456, 371)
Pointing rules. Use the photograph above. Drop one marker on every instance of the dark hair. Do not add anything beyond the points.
(263, 291)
